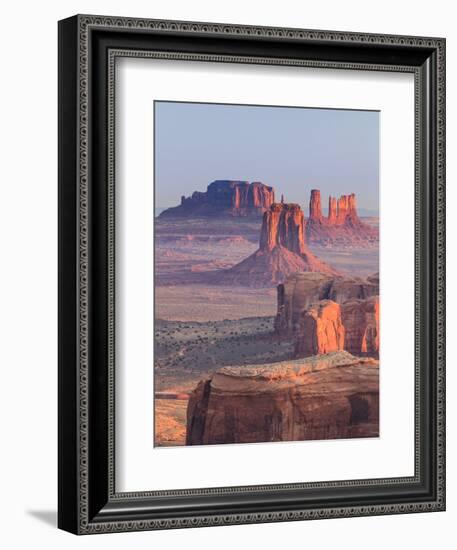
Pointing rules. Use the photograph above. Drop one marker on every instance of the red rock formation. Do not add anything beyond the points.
(301, 290)
(361, 321)
(352, 217)
(225, 198)
(322, 397)
(246, 195)
(283, 225)
(326, 326)
(282, 251)
(342, 209)
(260, 196)
(347, 212)
(322, 329)
(332, 211)
(315, 208)
(342, 226)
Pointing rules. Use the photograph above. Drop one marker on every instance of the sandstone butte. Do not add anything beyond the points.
(328, 326)
(300, 290)
(342, 224)
(225, 198)
(321, 397)
(282, 251)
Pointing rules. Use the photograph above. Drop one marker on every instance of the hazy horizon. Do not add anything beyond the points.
(292, 149)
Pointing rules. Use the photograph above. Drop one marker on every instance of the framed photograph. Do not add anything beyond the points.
(251, 274)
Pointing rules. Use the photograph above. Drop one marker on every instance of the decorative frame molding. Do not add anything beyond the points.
(86, 506)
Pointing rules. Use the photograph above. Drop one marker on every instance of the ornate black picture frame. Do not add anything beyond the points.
(88, 501)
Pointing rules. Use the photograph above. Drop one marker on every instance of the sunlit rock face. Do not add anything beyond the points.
(315, 207)
(332, 211)
(327, 326)
(342, 224)
(225, 198)
(321, 397)
(283, 225)
(300, 290)
(321, 329)
(282, 251)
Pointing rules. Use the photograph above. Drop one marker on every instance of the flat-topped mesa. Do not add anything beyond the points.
(226, 198)
(315, 207)
(260, 196)
(283, 225)
(282, 251)
(240, 194)
(321, 397)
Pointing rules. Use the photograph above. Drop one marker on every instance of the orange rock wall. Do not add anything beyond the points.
(327, 327)
(322, 328)
(283, 225)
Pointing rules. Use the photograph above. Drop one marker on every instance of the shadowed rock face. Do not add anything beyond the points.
(342, 224)
(361, 321)
(300, 290)
(282, 251)
(326, 326)
(322, 397)
(226, 198)
(322, 330)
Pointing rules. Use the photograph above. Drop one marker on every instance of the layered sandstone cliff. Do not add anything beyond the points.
(225, 198)
(322, 397)
(341, 226)
(327, 326)
(282, 251)
(301, 290)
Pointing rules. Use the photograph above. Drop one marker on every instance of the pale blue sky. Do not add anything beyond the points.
(293, 149)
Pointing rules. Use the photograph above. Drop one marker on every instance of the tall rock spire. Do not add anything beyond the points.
(282, 251)
(352, 217)
(332, 211)
(315, 207)
(342, 224)
(342, 209)
(283, 225)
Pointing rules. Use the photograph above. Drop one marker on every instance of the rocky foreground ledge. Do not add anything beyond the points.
(321, 397)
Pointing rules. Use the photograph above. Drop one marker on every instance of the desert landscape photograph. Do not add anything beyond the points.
(266, 274)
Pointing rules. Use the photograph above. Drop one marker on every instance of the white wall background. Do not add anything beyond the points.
(28, 289)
